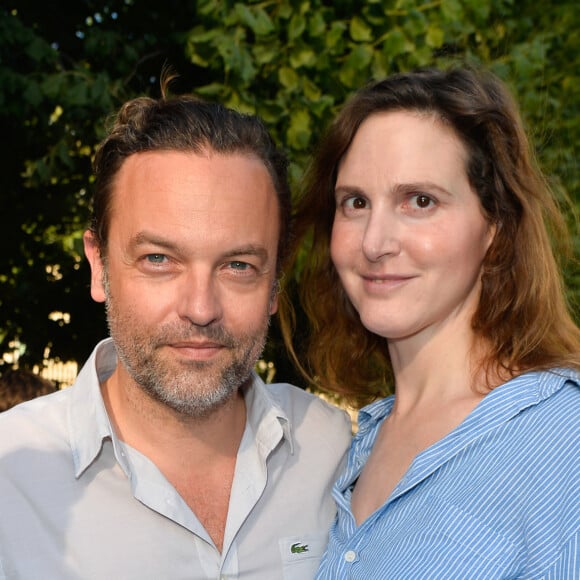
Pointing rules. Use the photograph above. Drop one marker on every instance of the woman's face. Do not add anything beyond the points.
(409, 235)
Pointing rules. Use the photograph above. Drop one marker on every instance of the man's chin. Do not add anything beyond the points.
(199, 406)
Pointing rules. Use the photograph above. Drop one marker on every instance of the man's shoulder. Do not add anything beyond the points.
(320, 432)
(295, 401)
(35, 420)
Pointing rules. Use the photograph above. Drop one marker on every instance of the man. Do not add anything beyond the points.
(169, 458)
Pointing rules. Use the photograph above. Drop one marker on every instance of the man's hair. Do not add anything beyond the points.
(522, 314)
(184, 123)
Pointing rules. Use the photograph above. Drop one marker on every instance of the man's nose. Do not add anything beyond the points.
(199, 298)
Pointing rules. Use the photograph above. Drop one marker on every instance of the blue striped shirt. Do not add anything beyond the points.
(498, 497)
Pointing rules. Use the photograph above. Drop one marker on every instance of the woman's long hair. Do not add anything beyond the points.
(523, 317)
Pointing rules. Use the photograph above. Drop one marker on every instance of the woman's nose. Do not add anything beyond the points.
(381, 236)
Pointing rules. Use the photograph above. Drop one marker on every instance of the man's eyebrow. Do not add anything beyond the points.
(249, 250)
(146, 238)
(143, 238)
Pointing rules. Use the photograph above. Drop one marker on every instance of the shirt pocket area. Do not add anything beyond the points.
(301, 555)
(442, 540)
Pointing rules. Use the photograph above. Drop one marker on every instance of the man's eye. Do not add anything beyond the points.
(156, 258)
(236, 265)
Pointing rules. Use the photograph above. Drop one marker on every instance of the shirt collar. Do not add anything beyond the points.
(88, 419)
(266, 417)
(547, 385)
(373, 414)
(496, 408)
(90, 424)
(515, 395)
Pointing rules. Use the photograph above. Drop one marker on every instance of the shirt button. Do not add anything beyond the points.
(350, 556)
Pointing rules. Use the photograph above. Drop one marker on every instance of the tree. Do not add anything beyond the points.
(294, 62)
(61, 74)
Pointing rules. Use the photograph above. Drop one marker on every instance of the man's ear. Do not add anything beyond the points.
(93, 254)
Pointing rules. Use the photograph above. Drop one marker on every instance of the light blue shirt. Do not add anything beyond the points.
(498, 497)
(77, 503)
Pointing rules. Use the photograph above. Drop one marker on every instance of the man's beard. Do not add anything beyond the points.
(192, 388)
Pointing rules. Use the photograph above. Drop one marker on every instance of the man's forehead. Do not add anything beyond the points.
(176, 195)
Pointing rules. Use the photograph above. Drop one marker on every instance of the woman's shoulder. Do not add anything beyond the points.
(543, 388)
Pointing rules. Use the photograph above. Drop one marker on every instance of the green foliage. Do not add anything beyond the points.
(318, 54)
(52, 111)
(294, 62)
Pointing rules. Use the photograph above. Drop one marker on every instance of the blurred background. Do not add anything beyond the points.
(66, 67)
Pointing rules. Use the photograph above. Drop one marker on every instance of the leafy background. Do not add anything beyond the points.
(64, 70)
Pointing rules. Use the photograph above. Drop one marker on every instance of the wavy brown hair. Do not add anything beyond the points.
(522, 314)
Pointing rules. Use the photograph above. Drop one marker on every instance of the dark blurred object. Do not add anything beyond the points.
(19, 385)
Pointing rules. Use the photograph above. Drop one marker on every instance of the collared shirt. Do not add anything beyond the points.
(498, 497)
(77, 503)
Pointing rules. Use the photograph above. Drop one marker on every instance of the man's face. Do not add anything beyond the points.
(189, 274)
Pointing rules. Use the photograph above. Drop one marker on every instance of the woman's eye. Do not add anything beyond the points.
(355, 203)
(422, 201)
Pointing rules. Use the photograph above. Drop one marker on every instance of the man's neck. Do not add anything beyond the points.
(196, 455)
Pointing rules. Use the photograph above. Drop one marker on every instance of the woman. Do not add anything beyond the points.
(431, 271)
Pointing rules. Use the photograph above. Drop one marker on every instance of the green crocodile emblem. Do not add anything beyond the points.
(298, 548)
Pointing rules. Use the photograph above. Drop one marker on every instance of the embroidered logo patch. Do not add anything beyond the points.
(298, 548)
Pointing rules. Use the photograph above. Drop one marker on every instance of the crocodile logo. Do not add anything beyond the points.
(298, 548)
